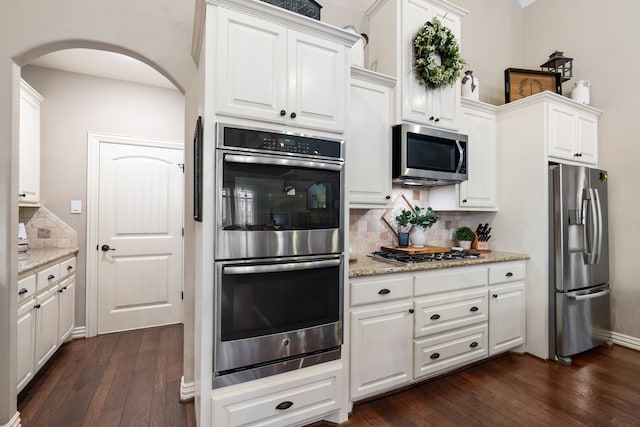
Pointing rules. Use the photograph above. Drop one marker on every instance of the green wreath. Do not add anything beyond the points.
(435, 42)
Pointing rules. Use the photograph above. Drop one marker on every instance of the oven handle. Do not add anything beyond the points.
(235, 158)
(277, 268)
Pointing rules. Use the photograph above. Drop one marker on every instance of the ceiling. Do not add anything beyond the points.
(105, 64)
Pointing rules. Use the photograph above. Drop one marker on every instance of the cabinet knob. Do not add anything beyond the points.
(435, 317)
(473, 344)
(464, 200)
(387, 197)
(434, 356)
(384, 291)
(509, 274)
(22, 291)
(293, 115)
(411, 310)
(22, 195)
(283, 113)
(36, 306)
(473, 309)
(431, 118)
(579, 154)
(69, 267)
(51, 277)
(284, 405)
(60, 290)
(437, 119)
(495, 296)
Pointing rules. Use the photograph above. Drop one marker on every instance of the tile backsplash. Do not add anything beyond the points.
(45, 230)
(368, 231)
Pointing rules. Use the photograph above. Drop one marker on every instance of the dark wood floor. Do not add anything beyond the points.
(124, 379)
(133, 379)
(600, 388)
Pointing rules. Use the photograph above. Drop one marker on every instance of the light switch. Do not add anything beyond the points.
(76, 206)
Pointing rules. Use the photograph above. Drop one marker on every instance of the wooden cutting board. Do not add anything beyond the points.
(409, 250)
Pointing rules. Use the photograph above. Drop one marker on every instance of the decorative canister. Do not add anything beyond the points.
(581, 93)
(470, 86)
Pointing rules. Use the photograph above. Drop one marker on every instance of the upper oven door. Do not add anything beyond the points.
(272, 206)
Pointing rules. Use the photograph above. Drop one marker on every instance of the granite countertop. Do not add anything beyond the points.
(366, 266)
(39, 257)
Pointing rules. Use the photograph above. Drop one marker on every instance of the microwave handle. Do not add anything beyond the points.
(461, 161)
(235, 158)
(276, 268)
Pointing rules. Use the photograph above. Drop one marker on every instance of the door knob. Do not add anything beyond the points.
(106, 248)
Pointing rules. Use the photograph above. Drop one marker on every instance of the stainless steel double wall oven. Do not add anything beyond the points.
(278, 252)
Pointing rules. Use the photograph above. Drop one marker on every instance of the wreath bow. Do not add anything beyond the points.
(437, 59)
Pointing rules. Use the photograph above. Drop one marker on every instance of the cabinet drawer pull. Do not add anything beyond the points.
(36, 306)
(293, 115)
(435, 317)
(473, 309)
(384, 291)
(51, 277)
(495, 296)
(434, 356)
(22, 195)
(283, 113)
(509, 274)
(284, 405)
(473, 344)
(437, 119)
(23, 291)
(69, 267)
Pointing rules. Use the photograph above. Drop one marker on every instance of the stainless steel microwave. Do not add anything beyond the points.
(428, 156)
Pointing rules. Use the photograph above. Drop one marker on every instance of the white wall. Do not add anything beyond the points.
(76, 104)
(158, 33)
(602, 39)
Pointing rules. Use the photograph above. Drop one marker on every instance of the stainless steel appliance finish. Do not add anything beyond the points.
(279, 194)
(579, 260)
(274, 315)
(428, 156)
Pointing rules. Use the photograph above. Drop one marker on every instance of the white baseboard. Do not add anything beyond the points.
(14, 422)
(625, 340)
(79, 332)
(187, 390)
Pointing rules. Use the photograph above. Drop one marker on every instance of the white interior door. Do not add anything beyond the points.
(139, 236)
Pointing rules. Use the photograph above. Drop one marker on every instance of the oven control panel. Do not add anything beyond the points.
(283, 143)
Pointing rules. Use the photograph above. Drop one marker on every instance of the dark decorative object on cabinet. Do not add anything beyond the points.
(520, 83)
(308, 8)
(197, 171)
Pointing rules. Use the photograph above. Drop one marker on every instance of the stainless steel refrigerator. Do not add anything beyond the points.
(579, 299)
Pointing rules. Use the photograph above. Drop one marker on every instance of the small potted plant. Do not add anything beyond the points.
(403, 227)
(421, 219)
(464, 236)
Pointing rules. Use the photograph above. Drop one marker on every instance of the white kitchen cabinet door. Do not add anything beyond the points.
(507, 317)
(29, 157)
(368, 148)
(572, 134)
(251, 67)
(46, 326)
(381, 348)
(26, 343)
(317, 82)
(270, 73)
(67, 290)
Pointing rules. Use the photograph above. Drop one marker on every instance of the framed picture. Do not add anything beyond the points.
(520, 83)
(197, 171)
(389, 216)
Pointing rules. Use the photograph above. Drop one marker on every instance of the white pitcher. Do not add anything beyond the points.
(581, 93)
(470, 86)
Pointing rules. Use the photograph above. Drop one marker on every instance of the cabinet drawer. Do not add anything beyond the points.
(507, 272)
(450, 311)
(26, 287)
(435, 355)
(48, 276)
(450, 279)
(379, 290)
(281, 405)
(68, 267)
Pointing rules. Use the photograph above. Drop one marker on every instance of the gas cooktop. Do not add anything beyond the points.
(406, 259)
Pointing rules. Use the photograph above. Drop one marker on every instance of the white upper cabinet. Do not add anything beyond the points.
(393, 25)
(266, 71)
(29, 163)
(572, 133)
(369, 140)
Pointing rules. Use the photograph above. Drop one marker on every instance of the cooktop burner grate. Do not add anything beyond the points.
(406, 259)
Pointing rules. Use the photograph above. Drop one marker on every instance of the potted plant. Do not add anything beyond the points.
(421, 219)
(403, 227)
(464, 236)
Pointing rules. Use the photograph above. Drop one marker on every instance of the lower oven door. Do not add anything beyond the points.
(276, 315)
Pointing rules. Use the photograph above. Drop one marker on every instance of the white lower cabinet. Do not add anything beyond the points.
(410, 326)
(26, 341)
(286, 400)
(66, 291)
(47, 312)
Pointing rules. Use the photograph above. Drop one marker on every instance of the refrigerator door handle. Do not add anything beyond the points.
(587, 219)
(597, 207)
(590, 296)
